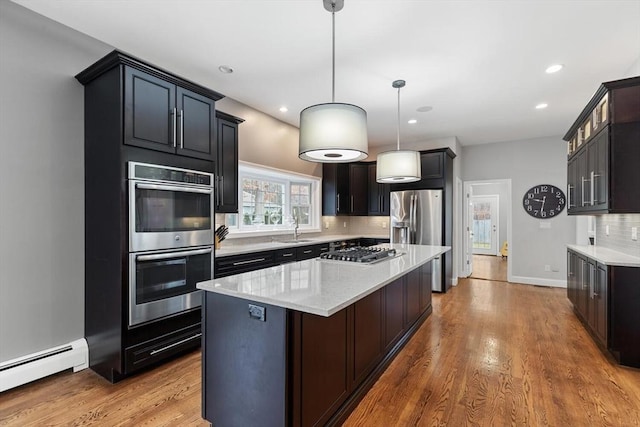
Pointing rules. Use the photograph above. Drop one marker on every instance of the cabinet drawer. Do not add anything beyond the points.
(162, 347)
(308, 252)
(283, 256)
(236, 264)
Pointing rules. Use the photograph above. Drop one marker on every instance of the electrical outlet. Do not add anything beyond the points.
(344, 224)
(606, 230)
(634, 233)
(326, 224)
(547, 267)
(384, 224)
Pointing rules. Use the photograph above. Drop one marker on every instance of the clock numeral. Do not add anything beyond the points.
(536, 191)
(543, 214)
(526, 202)
(544, 189)
(529, 208)
(552, 212)
(561, 202)
(530, 196)
(558, 194)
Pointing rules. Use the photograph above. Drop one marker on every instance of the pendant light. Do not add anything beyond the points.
(399, 165)
(333, 132)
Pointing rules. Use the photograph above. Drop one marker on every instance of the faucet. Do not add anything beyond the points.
(295, 228)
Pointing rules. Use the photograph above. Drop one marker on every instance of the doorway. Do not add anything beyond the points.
(482, 245)
(486, 223)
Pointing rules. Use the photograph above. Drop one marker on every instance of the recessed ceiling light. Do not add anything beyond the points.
(554, 68)
(283, 109)
(541, 106)
(225, 69)
(412, 121)
(424, 109)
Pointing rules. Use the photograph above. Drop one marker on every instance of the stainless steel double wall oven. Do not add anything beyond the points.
(170, 239)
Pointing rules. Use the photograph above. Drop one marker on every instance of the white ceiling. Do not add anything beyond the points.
(479, 64)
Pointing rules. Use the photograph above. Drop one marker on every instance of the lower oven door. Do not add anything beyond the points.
(164, 283)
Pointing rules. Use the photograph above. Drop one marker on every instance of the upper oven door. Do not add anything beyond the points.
(163, 216)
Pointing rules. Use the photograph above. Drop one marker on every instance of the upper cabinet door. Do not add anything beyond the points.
(149, 111)
(227, 169)
(196, 125)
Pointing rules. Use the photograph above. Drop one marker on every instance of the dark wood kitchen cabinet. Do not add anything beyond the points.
(134, 111)
(344, 189)
(379, 194)
(163, 116)
(226, 190)
(603, 152)
(605, 298)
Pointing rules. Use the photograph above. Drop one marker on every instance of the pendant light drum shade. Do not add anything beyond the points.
(333, 133)
(398, 166)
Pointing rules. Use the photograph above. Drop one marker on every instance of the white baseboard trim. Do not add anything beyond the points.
(539, 281)
(25, 369)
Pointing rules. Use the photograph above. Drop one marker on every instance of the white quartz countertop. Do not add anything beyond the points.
(322, 287)
(281, 243)
(607, 256)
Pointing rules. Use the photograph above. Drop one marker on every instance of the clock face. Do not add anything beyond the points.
(544, 201)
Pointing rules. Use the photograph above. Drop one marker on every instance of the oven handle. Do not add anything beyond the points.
(174, 188)
(172, 255)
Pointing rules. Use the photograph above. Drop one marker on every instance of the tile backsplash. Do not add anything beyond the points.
(331, 225)
(619, 236)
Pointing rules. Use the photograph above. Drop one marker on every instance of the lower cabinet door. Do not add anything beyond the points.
(414, 283)
(367, 334)
(323, 369)
(393, 311)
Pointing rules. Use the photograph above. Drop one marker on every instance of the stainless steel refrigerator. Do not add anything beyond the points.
(417, 218)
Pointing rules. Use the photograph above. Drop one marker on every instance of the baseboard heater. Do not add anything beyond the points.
(22, 370)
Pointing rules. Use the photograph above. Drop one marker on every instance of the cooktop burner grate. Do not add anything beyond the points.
(360, 254)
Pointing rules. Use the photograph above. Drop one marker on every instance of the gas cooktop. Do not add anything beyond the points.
(367, 255)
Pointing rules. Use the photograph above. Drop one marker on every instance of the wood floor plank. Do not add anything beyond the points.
(491, 354)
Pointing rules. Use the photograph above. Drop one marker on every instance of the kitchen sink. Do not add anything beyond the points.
(296, 241)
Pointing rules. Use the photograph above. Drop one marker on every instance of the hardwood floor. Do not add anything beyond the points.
(491, 354)
(489, 267)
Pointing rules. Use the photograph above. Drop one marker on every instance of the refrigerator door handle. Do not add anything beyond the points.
(413, 219)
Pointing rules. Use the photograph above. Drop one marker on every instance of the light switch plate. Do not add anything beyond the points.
(606, 230)
(545, 224)
(634, 233)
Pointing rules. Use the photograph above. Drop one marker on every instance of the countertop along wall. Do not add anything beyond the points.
(528, 163)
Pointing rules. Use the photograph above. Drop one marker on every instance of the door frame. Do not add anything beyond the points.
(507, 201)
(495, 221)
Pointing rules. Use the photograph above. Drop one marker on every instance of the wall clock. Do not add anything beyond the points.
(544, 201)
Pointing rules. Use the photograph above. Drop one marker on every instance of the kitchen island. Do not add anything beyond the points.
(301, 343)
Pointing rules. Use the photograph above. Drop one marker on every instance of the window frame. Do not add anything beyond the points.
(266, 173)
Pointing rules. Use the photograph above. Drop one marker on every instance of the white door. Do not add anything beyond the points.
(485, 223)
(468, 227)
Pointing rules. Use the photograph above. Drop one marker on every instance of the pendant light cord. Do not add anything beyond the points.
(333, 52)
(398, 119)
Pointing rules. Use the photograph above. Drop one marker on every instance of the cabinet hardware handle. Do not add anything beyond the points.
(181, 129)
(154, 352)
(583, 181)
(338, 202)
(352, 203)
(569, 188)
(287, 255)
(593, 187)
(249, 261)
(306, 252)
(175, 125)
(217, 180)
(221, 189)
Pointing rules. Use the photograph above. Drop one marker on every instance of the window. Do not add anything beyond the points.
(272, 200)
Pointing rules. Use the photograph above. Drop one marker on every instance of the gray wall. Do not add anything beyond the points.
(528, 163)
(41, 181)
